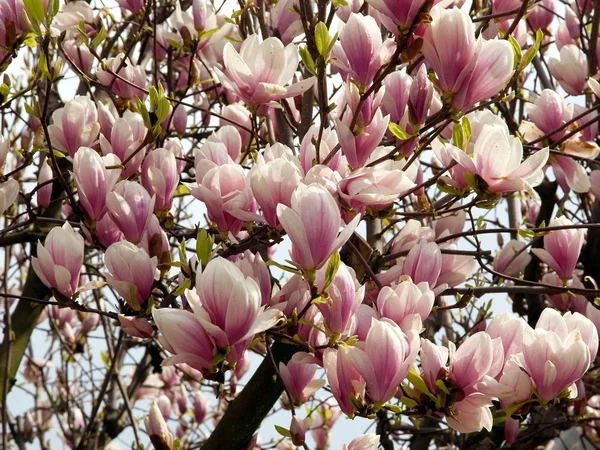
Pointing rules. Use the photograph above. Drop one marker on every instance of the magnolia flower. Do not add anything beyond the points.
(228, 304)
(358, 52)
(571, 70)
(373, 187)
(44, 193)
(397, 15)
(130, 272)
(298, 376)
(404, 300)
(157, 428)
(511, 260)
(344, 296)
(130, 207)
(556, 354)
(75, 125)
(561, 248)
(132, 79)
(497, 163)
(313, 223)
(385, 358)
(259, 72)
(93, 180)
(468, 69)
(59, 260)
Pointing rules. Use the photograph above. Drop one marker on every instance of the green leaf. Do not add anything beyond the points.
(332, 268)
(409, 402)
(322, 38)
(418, 382)
(100, 36)
(399, 132)
(458, 136)
(204, 245)
(307, 59)
(528, 234)
(283, 431)
(162, 109)
(466, 126)
(35, 9)
(531, 51)
(517, 51)
(182, 253)
(182, 287)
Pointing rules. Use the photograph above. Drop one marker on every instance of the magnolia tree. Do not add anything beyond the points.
(378, 216)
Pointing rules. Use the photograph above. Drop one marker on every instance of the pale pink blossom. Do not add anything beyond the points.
(313, 223)
(259, 72)
(561, 248)
(59, 261)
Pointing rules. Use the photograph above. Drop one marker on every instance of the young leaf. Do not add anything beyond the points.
(399, 132)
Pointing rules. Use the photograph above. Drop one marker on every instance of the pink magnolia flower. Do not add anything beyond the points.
(308, 149)
(225, 191)
(357, 146)
(201, 406)
(133, 6)
(131, 272)
(135, 326)
(132, 79)
(59, 260)
(358, 51)
(514, 384)
(510, 330)
(126, 138)
(160, 177)
(312, 223)
(130, 207)
(468, 69)
(549, 112)
(508, 262)
(472, 361)
(410, 235)
(273, 183)
(373, 187)
(541, 15)
(298, 376)
(397, 87)
(497, 162)
(397, 15)
(344, 296)
(561, 248)
(404, 300)
(343, 377)
(352, 6)
(93, 180)
(80, 54)
(44, 193)
(237, 116)
(555, 354)
(433, 363)
(420, 96)
(157, 428)
(259, 72)
(253, 266)
(472, 414)
(74, 126)
(385, 358)
(184, 337)
(423, 263)
(571, 70)
(228, 304)
(107, 231)
(286, 20)
(363, 442)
